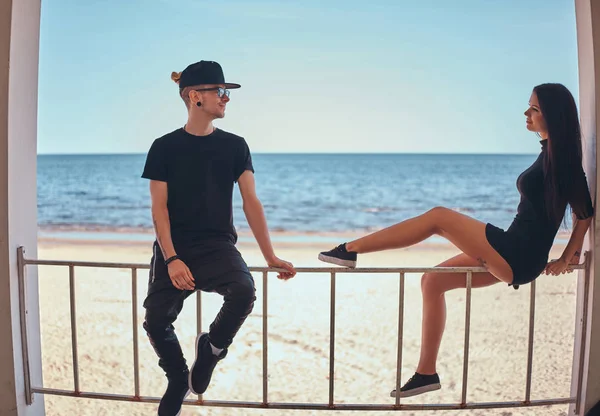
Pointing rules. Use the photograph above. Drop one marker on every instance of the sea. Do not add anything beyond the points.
(103, 196)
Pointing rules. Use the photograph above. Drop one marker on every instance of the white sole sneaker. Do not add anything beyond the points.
(334, 260)
(417, 391)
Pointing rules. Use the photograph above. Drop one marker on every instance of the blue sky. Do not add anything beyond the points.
(317, 76)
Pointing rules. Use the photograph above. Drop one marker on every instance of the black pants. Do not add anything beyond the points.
(220, 269)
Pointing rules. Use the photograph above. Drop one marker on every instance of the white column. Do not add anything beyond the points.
(19, 54)
(588, 41)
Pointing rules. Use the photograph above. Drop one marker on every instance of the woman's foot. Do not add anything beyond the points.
(339, 256)
(419, 384)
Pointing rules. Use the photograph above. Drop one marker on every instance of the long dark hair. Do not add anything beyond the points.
(563, 159)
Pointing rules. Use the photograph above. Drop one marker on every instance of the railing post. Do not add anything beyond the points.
(199, 320)
(463, 400)
(23, 318)
(72, 303)
(332, 340)
(586, 297)
(134, 317)
(530, 343)
(400, 337)
(265, 340)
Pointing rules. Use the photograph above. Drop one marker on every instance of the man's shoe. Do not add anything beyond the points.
(204, 365)
(419, 384)
(339, 256)
(172, 400)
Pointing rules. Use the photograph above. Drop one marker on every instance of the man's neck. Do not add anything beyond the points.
(199, 126)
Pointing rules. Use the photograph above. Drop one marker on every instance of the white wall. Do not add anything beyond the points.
(588, 40)
(19, 52)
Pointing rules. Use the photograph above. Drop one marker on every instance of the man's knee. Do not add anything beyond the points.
(157, 325)
(243, 291)
(243, 288)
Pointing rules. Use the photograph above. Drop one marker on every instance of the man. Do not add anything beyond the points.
(192, 171)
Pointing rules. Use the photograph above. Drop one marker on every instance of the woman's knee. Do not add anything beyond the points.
(439, 210)
(439, 215)
(431, 284)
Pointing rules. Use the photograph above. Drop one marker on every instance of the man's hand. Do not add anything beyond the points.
(180, 275)
(277, 263)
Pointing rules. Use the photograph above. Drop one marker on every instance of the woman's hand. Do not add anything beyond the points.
(556, 267)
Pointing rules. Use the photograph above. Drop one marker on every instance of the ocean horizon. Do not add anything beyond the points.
(302, 193)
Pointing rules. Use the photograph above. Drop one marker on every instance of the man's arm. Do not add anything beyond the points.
(178, 271)
(255, 215)
(160, 218)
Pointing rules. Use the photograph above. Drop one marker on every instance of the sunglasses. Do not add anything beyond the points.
(220, 91)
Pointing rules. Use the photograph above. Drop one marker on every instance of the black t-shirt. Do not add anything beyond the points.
(200, 172)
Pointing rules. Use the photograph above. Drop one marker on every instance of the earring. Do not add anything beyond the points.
(199, 104)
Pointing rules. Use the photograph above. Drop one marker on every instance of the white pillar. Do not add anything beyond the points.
(19, 54)
(588, 42)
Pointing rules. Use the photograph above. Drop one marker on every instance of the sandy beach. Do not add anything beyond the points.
(366, 335)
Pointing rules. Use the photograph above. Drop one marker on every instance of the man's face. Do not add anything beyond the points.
(214, 99)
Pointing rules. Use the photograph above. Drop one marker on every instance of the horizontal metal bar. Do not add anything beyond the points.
(104, 265)
(264, 269)
(311, 406)
(268, 269)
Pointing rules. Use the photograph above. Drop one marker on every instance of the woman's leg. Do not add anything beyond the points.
(466, 233)
(433, 288)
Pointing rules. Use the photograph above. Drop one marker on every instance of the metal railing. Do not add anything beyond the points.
(30, 390)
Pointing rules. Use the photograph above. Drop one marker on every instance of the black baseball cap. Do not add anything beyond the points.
(204, 72)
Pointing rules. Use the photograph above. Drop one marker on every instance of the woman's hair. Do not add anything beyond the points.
(563, 161)
(183, 92)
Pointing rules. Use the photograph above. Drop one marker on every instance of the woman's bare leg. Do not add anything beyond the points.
(466, 233)
(434, 287)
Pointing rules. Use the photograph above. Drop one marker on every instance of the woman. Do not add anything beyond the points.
(515, 256)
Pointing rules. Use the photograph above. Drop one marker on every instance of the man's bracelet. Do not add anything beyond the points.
(172, 258)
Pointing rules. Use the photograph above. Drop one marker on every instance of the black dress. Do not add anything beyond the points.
(526, 244)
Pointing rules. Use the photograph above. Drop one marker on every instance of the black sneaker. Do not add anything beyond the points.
(172, 400)
(204, 365)
(419, 384)
(339, 256)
